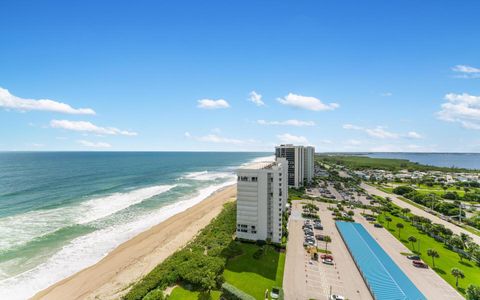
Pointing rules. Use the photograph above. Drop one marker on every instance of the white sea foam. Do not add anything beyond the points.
(89, 249)
(20, 229)
(105, 206)
(208, 176)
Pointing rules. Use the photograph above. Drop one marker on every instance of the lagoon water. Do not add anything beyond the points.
(63, 211)
(458, 160)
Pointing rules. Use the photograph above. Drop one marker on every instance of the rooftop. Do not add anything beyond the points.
(259, 165)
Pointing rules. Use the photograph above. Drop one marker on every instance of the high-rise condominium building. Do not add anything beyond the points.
(262, 193)
(309, 158)
(296, 163)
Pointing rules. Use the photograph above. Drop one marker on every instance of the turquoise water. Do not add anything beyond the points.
(63, 211)
(384, 278)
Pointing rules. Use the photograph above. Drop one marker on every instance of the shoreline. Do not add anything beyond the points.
(111, 277)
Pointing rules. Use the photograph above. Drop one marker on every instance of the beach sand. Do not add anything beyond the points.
(111, 277)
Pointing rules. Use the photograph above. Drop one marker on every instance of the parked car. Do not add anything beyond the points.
(413, 257)
(327, 261)
(326, 256)
(336, 297)
(378, 225)
(320, 237)
(419, 264)
(318, 226)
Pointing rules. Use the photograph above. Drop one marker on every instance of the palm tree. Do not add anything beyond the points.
(412, 240)
(465, 239)
(399, 226)
(388, 219)
(405, 211)
(327, 240)
(457, 273)
(434, 254)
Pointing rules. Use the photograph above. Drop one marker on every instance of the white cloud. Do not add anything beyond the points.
(305, 102)
(10, 101)
(212, 104)
(288, 138)
(84, 126)
(381, 133)
(353, 142)
(386, 94)
(467, 71)
(93, 144)
(377, 132)
(292, 122)
(217, 139)
(413, 135)
(255, 98)
(461, 108)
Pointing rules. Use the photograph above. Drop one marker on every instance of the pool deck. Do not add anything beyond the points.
(426, 280)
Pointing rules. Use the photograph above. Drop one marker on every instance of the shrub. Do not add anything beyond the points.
(402, 190)
(155, 294)
(229, 292)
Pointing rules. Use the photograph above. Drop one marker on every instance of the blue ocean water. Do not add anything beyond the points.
(458, 160)
(63, 211)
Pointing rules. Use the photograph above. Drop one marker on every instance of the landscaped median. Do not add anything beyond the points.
(201, 269)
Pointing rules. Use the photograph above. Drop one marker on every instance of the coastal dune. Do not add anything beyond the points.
(111, 277)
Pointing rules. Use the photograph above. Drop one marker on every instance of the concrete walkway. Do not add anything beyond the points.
(419, 212)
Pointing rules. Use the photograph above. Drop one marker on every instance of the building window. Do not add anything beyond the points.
(254, 179)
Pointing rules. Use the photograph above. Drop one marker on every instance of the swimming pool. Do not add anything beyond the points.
(383, 277)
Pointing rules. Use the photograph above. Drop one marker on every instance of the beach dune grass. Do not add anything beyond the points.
(444, 263)
(254, 276)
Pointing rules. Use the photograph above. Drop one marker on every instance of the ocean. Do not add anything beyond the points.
(458, 160)
(63, 211)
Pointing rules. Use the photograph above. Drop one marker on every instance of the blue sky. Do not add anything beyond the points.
(180, 75)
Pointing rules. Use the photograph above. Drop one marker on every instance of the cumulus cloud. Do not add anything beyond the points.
(306, 102)
(377, 132)
(461, 108)
(212, 104)
(465, 71)
(292, 122)
(94, 144)
(255, 98)
(413, 135)
(288, 138)
(217, 139)
(9, 101)
(381, 133)
(87, 127)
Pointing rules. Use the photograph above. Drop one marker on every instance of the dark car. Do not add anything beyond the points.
(419, 264)
(378, 225)
(413, 257)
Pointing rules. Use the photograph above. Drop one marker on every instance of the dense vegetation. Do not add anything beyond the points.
(199, 264)
(364, 162)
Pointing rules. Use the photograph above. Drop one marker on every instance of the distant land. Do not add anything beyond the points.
(449, 160)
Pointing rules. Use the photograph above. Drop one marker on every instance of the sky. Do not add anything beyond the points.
(349, 76)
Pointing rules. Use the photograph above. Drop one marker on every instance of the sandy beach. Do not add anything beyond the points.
(111, 277)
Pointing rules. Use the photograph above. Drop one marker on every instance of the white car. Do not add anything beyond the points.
(336, 297)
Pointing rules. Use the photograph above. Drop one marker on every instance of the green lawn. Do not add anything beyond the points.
(180, 293)
(254, 276)
(447, 260)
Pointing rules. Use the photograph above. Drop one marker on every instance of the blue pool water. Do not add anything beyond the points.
(383, 277)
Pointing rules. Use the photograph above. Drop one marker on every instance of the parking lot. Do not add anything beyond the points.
(306, 278)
